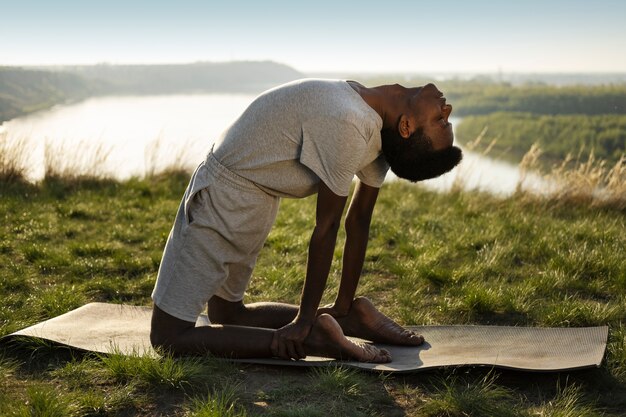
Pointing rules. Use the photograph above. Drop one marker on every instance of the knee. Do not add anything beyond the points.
(164, 330)
(225, 312)
(157, 340)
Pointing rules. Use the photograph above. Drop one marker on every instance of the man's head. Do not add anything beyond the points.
(420, 146)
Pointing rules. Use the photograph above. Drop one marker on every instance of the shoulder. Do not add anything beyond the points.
(309, 95)
(310, 84)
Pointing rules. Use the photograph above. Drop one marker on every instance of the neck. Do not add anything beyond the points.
(389, 101)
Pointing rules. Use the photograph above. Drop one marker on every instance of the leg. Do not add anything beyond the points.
(326, 339)
(269, 315)
(182, 337)
(365, 321)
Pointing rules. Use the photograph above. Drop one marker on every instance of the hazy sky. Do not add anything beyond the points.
(311, 36)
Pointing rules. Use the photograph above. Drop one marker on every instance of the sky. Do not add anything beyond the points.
(486, 36)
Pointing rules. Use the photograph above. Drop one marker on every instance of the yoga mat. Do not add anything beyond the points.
(107, 328)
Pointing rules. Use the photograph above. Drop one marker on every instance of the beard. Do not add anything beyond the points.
(414, 158)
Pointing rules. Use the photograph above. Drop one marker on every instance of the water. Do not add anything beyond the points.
(135, 134)
(131, 136)
(479, 172)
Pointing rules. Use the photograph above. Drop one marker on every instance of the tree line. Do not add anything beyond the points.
(540, 100)
(561, 120)
(556, 135)
(24, 90)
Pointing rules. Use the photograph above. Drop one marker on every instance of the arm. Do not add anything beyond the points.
(321, 249)
(288, 340)
(358, 222)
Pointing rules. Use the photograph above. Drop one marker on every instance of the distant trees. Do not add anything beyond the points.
(227, 77)
(24, 91)
(556, 135)
(542, 100)
(561, 120)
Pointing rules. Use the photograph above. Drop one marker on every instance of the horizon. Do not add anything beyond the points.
(468, 73)
(559, 37)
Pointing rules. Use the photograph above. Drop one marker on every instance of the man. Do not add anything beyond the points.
(305, 137)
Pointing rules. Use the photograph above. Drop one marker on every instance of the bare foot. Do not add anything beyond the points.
(327, 339)
(365, 321)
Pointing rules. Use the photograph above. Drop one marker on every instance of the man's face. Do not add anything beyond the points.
(431, 112)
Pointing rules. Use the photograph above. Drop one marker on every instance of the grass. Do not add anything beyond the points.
(454, 258)
(568, 402)
(223, 404)
(454, 397)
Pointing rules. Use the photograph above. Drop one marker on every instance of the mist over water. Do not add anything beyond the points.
(136, 134)
(132, 136)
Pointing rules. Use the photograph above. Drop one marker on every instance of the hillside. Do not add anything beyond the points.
(244, 76)
(24, 90)
(433, 258)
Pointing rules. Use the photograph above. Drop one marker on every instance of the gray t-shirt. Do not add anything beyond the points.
(295, 135)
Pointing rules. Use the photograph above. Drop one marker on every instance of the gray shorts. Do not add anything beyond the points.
(221, 225)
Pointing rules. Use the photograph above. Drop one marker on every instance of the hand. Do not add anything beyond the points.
(288, 341)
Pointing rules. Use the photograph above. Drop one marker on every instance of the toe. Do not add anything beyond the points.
(385, 356)
(412, 338)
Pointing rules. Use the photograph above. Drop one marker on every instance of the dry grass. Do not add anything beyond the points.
(471, 146)
(590, 182)
(579, 181)
(72, 161)
(163, 157)
(84, 160)
(573, 181)
(528, 164)
(13, 158)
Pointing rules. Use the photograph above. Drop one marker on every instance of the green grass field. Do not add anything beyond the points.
(458, 257)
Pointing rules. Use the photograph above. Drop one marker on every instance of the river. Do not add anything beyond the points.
(133, 135)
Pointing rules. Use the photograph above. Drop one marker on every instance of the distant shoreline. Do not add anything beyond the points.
(25, 90)
(29, 89)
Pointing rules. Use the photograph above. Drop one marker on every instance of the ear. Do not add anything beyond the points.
(404, 127)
